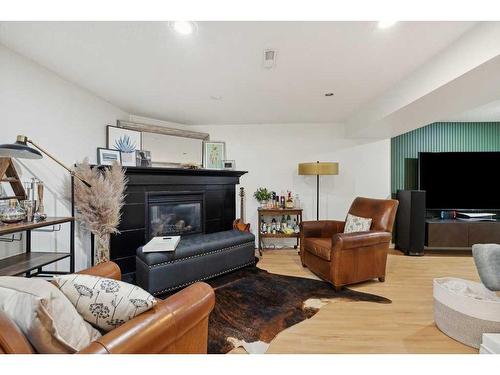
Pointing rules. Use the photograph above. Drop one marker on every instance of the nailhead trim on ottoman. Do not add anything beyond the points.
(196, 258)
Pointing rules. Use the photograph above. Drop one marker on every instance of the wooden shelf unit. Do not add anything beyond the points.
(19, 264)
(25, 263)
(279, 235)
(262, 212)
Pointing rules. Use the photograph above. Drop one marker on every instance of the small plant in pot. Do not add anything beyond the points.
(262, 195)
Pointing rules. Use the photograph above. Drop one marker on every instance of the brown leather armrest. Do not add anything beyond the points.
(321, 228)
(109, 270)
(159, 328)
(12, 340)
(342, 241)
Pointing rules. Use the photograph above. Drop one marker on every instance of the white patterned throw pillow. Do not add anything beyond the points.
(357, 224)
(45, 316)
(105, 303)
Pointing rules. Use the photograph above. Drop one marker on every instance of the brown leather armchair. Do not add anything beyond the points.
(348, 258)
(178, 324)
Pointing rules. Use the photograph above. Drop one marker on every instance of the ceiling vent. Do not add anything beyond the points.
(269, 58)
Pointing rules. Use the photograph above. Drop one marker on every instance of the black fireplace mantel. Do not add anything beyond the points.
(218, 187)
(183, 172)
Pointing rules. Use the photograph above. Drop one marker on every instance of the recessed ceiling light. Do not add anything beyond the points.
(183, 27)
(329, 94)
(386, 24)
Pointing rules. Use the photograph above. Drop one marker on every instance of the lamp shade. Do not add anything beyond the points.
(319, 168)
(19, 149)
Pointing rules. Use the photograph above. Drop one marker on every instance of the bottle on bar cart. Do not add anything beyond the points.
(289, 200)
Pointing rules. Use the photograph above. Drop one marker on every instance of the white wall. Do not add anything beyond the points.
(63, 118)
(271, 153)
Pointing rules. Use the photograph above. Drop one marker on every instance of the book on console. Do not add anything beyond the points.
(163, 243)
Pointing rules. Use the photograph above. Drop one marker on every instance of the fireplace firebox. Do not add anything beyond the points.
(174, 213)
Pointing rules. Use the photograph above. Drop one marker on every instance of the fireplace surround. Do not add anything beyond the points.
(214, 190)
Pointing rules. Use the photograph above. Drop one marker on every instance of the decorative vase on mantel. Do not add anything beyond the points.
(102, 248)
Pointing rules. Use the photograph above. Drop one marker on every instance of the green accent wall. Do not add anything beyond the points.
(438, 137)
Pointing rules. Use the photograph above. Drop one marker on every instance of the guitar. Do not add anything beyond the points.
(239, 224)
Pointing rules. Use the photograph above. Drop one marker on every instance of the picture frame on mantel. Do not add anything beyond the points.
(106, 156)
(143, 158)
(126, 141)
(228, 165)
(214, 153)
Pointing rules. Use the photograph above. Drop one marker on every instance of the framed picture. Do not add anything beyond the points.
(213, 154)
(143, 158)
(106, 156)
(126, 141)
(229, 165)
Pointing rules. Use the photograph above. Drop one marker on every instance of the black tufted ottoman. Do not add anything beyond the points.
(197, 257)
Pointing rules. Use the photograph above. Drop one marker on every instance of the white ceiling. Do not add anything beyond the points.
(146, 69)
(486, 113)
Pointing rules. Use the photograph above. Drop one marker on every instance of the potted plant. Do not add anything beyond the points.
(262, 195)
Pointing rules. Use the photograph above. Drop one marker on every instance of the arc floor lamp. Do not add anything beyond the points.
(20, 149)
(318, 169)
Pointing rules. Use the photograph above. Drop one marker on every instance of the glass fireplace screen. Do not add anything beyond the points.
(174, 218)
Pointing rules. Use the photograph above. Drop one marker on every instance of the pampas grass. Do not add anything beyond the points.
(99, 207)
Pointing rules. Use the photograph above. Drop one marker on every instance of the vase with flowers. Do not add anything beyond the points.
(99, 207)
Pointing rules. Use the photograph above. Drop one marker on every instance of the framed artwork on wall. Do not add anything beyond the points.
(213, 154)
(106, 156)
(126, 141)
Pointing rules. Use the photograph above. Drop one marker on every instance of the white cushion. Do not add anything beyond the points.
(357, 224)
(44, 315)
(106, 303)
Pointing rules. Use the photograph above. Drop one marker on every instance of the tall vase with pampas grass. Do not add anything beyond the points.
(99, 207)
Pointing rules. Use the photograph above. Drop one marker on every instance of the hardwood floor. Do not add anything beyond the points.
(405, 326)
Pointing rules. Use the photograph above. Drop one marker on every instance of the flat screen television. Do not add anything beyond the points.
(460, 180)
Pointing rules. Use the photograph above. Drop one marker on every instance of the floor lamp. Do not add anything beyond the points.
(20, 149)
(318, 169)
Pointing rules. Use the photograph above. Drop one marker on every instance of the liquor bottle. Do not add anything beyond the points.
(263, 227)
(282, 201)
(283, 223)
(289, 200)
(273, 226)
(289, 222)
(296, 227)
(278, 226)
(296, 201)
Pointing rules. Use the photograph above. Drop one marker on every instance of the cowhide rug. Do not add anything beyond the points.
(252, 306)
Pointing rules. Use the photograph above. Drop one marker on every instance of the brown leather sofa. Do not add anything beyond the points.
(178, 324)
(348, 258)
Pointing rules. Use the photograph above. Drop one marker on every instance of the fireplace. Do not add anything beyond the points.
(174, 213)
(205, 192)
